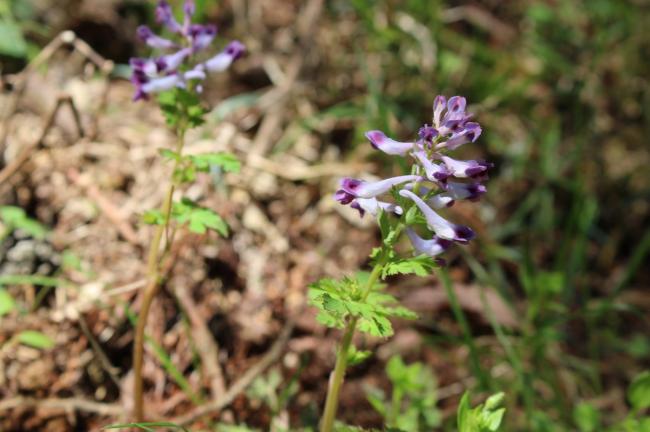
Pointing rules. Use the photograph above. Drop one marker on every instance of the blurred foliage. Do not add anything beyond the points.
(411, 405)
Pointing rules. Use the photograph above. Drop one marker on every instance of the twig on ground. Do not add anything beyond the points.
(240, 385)
(67, 404)
(106, 206)
(111, 370)
(204, 342)
(27, 151)
(69, 38)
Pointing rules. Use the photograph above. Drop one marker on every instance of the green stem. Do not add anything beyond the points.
(336, 379)
(150, 290)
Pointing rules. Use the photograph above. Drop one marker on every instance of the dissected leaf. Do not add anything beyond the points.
(226, 161)
(199, 219)
(421, 265)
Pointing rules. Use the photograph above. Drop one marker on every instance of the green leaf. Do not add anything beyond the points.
(204, 219)
(226, 161)
(495, 401)
(483, 418)
(170, 155)
(421, 265)
(586, 417)
(639, 391)
(12, 42)
(377, 325)
(153, 217)
(356, 357)
(147, 426)
(35, 339)
(31, 280)
(7, 302)
(16, 218)
(464, 415)
(377, 399)
(199, 219)
(329, 320)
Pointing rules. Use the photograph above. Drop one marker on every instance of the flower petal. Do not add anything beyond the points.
(466, 169)
(224, 59)
(432, 247)
(165, 15)
(364, 189)
(153, 40)
(434, 172)
(441, 226)
(439, 104)
(380, 141)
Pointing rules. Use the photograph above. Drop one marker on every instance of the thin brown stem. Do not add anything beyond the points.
(150, 290)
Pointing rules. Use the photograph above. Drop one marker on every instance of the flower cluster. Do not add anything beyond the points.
(178, 68)
(434, 183)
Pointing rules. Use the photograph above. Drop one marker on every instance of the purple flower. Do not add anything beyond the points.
(451, 129)
(188, 11)
(195, 74)
(434, 172)
(372, 206)
(224, 59)
(158, 85)
(171, 62)
(432, 247)
(427, 134)
(436, 223)
(165, 15)
(177, 69)
(470, 133)
(439, 104)
(380, 141)
(364, 189)
(201, 36)
(153, 40)
(466, 169)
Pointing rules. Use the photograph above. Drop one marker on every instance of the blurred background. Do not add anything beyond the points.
(554, 291)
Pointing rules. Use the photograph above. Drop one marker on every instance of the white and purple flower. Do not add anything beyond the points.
(430, 186)
(176, 69)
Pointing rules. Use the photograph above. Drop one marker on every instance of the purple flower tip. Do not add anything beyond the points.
(464, 233)
(375, 137)
(143, 32)
(343, 197)
(189, 7)
(350, 185)
(427, 133)
(235, 49)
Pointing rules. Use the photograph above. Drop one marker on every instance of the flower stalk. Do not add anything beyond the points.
(152, 287)
(406, 203)
(338, 374)
(176, 76)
